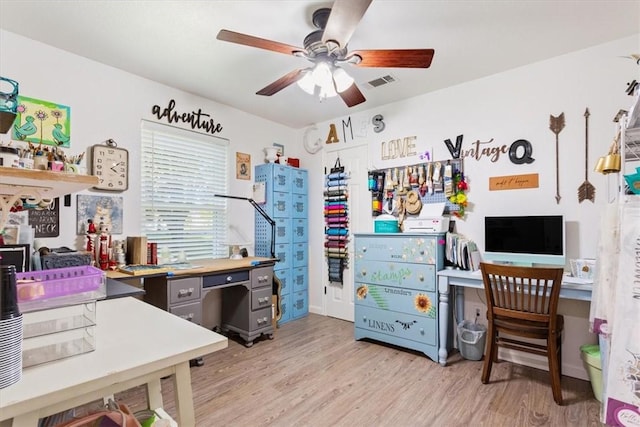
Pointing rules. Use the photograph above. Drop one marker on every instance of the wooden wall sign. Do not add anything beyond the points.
(513, 182)
(398, 148)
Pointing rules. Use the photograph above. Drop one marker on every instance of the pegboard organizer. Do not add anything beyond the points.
(386, 184)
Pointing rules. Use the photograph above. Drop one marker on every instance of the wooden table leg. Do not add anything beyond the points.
(154, 394)
(184, 395)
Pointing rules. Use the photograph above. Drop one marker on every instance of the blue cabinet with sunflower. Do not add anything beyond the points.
(396, 295)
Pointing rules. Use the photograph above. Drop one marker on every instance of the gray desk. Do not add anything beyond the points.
(246, 286)
(460, 279)
(117, 289)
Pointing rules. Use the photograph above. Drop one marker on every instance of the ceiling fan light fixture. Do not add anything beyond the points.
(307, 83)
(342, 79)
(327, 92)
(323, 78)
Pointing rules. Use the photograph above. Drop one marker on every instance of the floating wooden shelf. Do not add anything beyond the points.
(20, 183)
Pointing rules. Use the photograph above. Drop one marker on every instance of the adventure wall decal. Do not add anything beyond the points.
(197, 119)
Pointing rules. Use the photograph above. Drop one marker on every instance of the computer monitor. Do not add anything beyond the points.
(525, 240)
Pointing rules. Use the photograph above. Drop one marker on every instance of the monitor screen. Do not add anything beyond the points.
(525, 240)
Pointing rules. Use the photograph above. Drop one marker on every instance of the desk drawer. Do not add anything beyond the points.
(191, 312)
(400, 275)
(395, 324)
(422, 249)
(213, 280)
(411, 301)
(183, 290)
(260, 298)
(262, 277)
(260, 318)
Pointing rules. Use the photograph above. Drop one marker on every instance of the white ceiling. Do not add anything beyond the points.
(174, 42)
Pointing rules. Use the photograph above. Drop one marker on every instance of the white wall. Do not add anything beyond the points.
(109, 103)
(505, 107)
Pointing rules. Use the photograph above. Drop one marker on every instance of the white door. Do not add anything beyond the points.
(339, 297)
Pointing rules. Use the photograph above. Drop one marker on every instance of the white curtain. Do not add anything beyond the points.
(615, 311)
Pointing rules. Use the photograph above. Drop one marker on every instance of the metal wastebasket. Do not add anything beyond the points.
(471, 339)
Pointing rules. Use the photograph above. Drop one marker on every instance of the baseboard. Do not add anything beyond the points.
(540, 362)
(316, 310)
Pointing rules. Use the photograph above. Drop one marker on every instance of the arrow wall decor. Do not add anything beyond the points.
(556, 124)
(586, 191)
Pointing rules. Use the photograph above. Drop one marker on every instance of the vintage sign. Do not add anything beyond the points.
(513, 182)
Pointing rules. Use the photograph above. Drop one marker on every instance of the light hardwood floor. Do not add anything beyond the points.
(313, 373)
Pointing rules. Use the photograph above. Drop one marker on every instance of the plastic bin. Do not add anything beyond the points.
(471, 339)
(58, 287)
(593, 364)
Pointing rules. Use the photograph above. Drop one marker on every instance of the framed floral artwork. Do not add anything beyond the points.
(42, 122)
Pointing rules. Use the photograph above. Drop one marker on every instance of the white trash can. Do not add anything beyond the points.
(471, 339)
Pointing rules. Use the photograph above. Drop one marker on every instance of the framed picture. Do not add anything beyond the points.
(243, 166)
(280, 148)
(18, 255)
(42, 122)
(105, 210)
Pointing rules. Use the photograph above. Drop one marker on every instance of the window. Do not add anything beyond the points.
(181, 171)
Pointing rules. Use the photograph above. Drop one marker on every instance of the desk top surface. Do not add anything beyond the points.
(133, 338)
(202, 266)
(474, 280)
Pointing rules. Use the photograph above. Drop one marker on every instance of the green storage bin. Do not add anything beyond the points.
(593, 363)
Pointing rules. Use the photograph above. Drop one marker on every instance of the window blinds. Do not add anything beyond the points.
(180, 172)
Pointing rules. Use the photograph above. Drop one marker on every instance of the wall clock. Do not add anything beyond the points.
(111, 165)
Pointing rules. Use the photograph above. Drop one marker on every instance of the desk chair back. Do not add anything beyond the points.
(523, 302)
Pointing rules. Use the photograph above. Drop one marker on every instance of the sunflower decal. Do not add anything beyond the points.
(362, 292)
(421, 302)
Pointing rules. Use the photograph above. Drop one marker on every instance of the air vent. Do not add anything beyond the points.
(381, 81)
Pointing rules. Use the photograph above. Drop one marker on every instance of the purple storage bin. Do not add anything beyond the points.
(60, 286)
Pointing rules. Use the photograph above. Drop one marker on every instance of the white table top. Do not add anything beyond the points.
(577, 291)
(132, 338)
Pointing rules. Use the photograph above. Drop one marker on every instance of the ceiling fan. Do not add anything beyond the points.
(326, 48)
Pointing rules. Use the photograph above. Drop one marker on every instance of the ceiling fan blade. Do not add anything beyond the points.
(281, 83)
(247, 40)
(352, 96)
(343, 20)
(395, 58)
